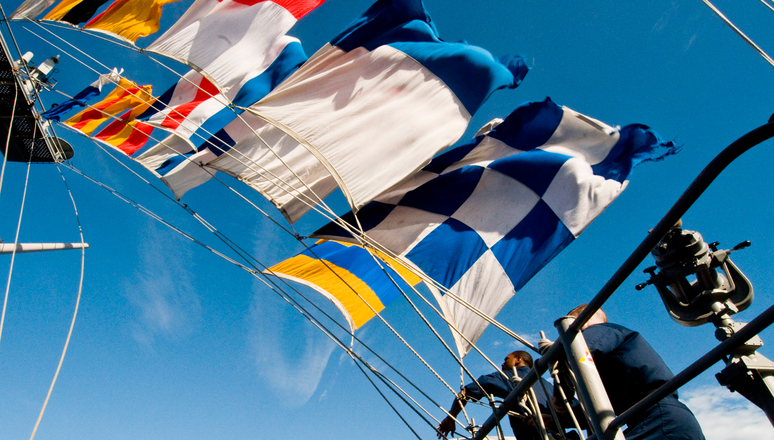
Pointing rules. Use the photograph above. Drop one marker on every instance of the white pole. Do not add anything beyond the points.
(7, 248)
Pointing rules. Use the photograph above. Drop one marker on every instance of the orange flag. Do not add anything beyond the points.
(125, 134)
(127, 137)
(130, 19)
(125, 96)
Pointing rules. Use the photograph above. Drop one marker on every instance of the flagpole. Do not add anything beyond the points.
(7, 248)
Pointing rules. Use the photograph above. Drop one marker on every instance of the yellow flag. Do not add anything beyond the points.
(125, 96)
(130, 19)
(61, 9)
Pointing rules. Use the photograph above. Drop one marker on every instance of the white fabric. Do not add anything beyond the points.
(341, 104)
(225, 40)
(30, 9)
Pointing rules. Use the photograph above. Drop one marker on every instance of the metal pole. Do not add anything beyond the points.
(755, 326)
(7, 248)
(696, 189)
(590, 387)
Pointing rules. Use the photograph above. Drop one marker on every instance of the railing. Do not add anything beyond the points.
(605, 425)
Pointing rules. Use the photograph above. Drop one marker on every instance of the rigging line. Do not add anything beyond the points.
(319, 200)
(299, 308)
(65, 51)
(430, 326)
(230, 105)
(238, 249)
(768, 5)
(8, 138)
(352, 354)
(74, 28)
(451, 325)
(16, 245)
(242, 253)
(739, 32)
(381, 318)
(395, 410)
(158, 218)
(75, 312)
(133, 48)
(303, 311)
(350, 351)
(416, 310)
(362, 237)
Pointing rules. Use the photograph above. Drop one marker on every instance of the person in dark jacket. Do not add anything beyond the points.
(631, 369)
(500, 384)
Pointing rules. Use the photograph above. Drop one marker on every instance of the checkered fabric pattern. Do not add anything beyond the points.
(483, 218)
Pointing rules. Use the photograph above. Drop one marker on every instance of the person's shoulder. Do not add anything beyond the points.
(609, 327)
(606, 336)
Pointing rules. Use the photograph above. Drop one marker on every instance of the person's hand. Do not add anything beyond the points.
(560, 407)
(544, 343)
(446, 427)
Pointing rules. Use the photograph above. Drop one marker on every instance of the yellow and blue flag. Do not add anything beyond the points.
(348, 276)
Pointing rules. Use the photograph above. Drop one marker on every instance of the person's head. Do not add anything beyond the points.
(598, 318)
(517, 359)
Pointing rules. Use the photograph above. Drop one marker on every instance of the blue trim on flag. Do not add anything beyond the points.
(380, 18)
(529, 126)
(370, 216)
(210, 130)
(219, 143)
(287, 62)
(536, 169)
(159, 104)
(439, 163)
(470, 72)
(171, 163)
(637, 143)
(450, 241)
(446, 193)
(78, 100)
(360, 263)
(535, 241)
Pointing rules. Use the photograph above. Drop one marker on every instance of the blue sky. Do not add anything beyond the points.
(173, 342)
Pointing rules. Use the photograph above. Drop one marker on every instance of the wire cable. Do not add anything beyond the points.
(739, 32)
(75, 312)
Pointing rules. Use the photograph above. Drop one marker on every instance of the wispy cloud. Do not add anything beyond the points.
(513, 345)
(161, 293)
(724, 415)
(290, 355)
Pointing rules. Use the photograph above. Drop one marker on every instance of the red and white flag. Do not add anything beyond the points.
(228, 40)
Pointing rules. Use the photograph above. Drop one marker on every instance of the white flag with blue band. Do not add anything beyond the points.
(386, 91)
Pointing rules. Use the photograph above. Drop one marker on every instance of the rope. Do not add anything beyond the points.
(213, 230)
(317, 201)
(273, 286)
(312, 150)
(16, 242)
(739, 32)
(75, 312)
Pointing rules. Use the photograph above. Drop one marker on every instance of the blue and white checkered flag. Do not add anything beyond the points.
(483, 218)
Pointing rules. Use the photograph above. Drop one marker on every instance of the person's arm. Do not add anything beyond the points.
(447, 424)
